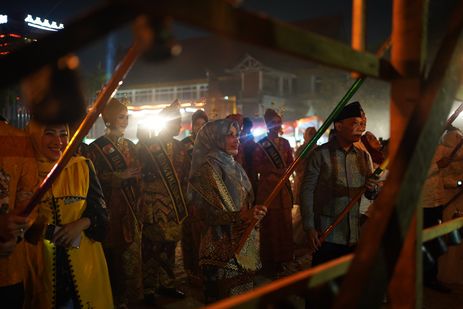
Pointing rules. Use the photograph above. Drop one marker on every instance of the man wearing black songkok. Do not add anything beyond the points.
(335, 173)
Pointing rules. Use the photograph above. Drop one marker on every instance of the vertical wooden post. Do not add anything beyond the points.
(358, 27)
(406, 57)
(358, 24)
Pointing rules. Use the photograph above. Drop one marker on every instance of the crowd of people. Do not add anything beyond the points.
(105, 234)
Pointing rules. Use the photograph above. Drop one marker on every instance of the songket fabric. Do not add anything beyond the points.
(276, 233)
(221, 188)
(164, 211)
(18, 178)
(111, 158)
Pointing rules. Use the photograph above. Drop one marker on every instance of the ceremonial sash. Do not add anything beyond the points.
(166, 171)
(272, 152)
(116, 162)
(274, 155)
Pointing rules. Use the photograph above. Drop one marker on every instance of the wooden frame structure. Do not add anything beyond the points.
(387, 254)
(299, 283)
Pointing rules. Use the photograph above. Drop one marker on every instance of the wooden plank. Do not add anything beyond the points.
(358, 24)
(214, 15)
(408, 57)
(221, 18)
(442, 229)
(358, 33)
(316, 276)
(313, 277)
(294, 284)
(379, 246)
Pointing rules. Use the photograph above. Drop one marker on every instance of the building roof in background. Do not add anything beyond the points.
(217, 54)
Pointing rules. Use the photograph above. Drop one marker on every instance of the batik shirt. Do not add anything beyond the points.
(332, 178)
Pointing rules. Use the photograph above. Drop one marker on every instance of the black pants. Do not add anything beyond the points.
(329, 251)
(322, 296)
(13, 295)
(431, 217)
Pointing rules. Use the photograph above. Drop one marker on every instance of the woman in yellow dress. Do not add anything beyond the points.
(68, 263)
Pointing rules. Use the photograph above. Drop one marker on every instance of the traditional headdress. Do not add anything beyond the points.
(237, 117)
(269, 115)
(172, 111)
(111, 110)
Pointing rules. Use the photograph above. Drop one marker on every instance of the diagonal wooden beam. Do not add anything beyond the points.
(442, 229)
(380, 245)
(296, 284)
(217, 16)
(221, 18)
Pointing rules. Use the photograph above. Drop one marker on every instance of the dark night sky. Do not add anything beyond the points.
(289, 10)
(379, 13)
(378, 22)
(378, 17)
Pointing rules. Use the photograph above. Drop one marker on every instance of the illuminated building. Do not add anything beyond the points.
(17, 29)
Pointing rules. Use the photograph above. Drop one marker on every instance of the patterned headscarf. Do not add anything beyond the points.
(210, 145)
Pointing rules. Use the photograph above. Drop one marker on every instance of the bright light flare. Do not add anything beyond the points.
(256, 132)
(154, 123)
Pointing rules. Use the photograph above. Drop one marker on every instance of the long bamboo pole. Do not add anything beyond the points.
(455, 114)
(103, 97)
(352, 90)
(378, 172)
(349, 94)
(351, 204)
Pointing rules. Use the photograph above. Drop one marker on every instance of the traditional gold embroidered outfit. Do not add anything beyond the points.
(221, 189)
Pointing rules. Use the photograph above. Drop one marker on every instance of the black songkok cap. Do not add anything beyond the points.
(353, 109)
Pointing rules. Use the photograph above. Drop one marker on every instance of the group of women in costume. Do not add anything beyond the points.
(85, 247)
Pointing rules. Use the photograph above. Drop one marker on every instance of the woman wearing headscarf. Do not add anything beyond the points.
(118, 170)
(68, 264)
(224, 202)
